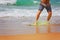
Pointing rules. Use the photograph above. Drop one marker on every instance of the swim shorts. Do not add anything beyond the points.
(48, 8)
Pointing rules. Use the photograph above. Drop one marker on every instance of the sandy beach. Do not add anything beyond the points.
(15, 28)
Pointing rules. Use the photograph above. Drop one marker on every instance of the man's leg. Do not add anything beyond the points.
(49, 12)
(49, 15)
(41, 7)
(37, 16)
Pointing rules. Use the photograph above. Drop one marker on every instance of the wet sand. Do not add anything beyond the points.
(15, 28)
(50, 36)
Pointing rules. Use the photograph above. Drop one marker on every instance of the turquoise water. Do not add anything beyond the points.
(35, 2)
(24, 2)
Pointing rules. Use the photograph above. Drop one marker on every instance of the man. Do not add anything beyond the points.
(44, 4)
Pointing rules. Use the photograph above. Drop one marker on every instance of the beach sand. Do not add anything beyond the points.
(16, 28)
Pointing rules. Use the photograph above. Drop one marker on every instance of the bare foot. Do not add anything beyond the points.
(35, 23)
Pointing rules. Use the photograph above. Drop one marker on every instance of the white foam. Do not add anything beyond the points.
(7, 1)
(27, 12)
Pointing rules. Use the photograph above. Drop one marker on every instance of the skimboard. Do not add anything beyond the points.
(39, 23)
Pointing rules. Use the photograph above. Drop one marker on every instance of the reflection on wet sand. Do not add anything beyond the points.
(50, 28)
(43, 29)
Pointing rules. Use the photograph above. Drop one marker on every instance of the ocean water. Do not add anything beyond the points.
(26, 10)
